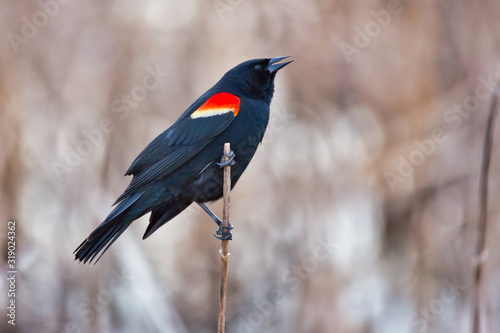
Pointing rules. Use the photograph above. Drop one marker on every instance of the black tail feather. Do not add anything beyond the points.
(109, 230)
(91, 247)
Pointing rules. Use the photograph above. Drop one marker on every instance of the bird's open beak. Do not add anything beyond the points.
(274, 67)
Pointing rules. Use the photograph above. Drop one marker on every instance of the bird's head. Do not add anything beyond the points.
(255, 77)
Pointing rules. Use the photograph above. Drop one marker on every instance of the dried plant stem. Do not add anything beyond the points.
(481, 251)
(224, 252)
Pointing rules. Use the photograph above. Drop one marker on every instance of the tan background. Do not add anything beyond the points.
(357, 214)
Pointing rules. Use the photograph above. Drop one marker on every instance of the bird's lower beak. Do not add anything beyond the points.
(274, 67)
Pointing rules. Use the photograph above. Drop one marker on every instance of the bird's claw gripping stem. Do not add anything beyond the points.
(224, 232)
(230, 161)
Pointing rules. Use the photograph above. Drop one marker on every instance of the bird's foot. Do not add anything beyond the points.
(224, 232)
(230, 161)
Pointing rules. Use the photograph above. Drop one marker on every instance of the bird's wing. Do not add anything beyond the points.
(191, 133)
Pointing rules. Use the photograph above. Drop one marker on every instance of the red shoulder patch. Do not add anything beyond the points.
(218, 104)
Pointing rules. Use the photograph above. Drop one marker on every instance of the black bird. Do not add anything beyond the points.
(183, 164)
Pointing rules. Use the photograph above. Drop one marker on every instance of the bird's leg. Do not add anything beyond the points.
(212, 215)
(224, 232)
(230, 161)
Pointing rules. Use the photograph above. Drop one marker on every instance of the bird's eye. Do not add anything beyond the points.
(258, 67)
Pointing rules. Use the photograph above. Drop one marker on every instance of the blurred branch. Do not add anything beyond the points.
(225, 243)
(481, 252)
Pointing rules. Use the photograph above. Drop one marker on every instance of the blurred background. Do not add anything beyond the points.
(357, 214)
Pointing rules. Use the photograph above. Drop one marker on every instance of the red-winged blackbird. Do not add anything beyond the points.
(181, 165)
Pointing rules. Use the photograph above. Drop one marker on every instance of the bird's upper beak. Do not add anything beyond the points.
(274, 67)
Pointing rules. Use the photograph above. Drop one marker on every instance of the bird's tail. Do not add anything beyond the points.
(109, 230)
